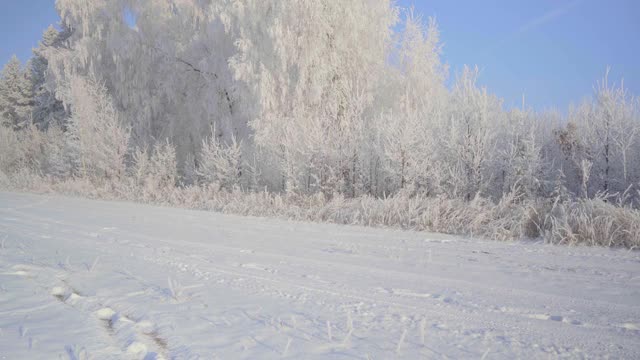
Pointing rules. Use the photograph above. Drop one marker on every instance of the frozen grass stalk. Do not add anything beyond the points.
(401, 341)
(486, 353)
(77, 353)
(175, 289)
(23, 331)
(94, 264)
(347, 338)
(286, 348)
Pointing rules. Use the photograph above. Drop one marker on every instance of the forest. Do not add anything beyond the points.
(335, 111)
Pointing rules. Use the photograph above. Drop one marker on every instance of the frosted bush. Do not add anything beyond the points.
(10, 150)
(154, 173)
(593, 222)
(220, 164)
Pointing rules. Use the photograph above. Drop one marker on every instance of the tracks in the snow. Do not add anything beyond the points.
(132, 338)
(137, 338)
(389, 284)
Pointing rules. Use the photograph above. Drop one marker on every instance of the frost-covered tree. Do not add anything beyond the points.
(57, 161)
(517, 157)
(16, 97)
(600, 141)
(303, 64)
(411, 128)
(155, 171)
(220, 164)
(332, 97)
(472, 138)
(47, 110)
(97, 140)
(612, 132)
(10, 151)
(165, 64)
(576, 157)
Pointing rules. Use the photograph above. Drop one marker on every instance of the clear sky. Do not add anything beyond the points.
(551, 50)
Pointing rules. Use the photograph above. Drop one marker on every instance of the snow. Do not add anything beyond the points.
(85, 279)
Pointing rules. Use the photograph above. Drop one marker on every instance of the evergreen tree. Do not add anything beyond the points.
(16, 95)
(48, 110)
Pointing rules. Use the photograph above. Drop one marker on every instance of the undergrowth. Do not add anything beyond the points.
(597, 222)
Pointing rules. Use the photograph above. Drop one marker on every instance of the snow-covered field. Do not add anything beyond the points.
(100, 280)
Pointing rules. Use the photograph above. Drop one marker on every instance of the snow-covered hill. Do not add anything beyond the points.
(105, 280)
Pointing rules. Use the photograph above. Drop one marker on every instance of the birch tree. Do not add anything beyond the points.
(472, 135)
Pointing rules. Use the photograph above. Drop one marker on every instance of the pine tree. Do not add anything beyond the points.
(16, 96)
(48, 110)
(96, 140)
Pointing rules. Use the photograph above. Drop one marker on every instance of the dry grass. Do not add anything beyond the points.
(592, 222)
(583, 221)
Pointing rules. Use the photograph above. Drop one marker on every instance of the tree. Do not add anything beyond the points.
(576, 153)
(614, 129)
(410, 131)
(168, 74)
(518, 155)
(98, 142)
(472, 136)
(603, 139)
(16, 97)
(332, 97)
(48, 110)
(301, 63)
(221, 164)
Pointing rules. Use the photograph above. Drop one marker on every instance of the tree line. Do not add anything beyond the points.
(296, 96)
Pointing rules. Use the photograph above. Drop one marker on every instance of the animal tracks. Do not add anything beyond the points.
(138, 339)
(21, 270)
(544, 317)
(504, 310)
(99, 280)
(557, 318)
(630, 326)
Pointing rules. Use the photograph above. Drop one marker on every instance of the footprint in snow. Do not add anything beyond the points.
(59, 293)
(630, 326)
(70, 297)
(557, 318)
(106, 313)
(335, 250)
(19, 270)
(257, 267)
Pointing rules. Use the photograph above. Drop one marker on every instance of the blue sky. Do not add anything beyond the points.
(551, 50)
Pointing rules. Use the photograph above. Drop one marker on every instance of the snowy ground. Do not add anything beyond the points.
(100, 280)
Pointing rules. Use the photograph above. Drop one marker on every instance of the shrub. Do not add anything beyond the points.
(221, 164)
(154, 174)
(593, 222)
